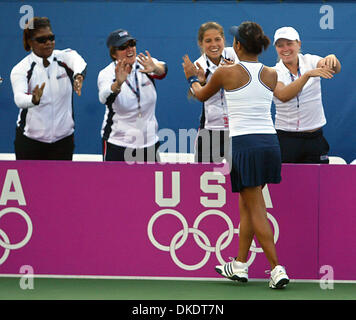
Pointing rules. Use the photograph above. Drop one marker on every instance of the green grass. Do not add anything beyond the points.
(117, 289)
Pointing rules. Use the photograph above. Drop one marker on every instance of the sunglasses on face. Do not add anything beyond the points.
(44, 39)
(130, 43)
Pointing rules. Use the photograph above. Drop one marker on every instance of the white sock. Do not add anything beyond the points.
(239, 264)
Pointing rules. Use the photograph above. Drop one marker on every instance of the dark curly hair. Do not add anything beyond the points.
(252, 37)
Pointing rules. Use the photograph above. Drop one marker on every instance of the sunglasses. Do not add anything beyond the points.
(44, 39)
(130, 43)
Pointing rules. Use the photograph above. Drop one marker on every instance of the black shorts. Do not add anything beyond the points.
(30, 149)
(212, 146)
(303, 147)
(112, 152)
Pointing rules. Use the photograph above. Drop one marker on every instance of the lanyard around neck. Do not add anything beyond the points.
(136, 92)
(222, 95)
(292, 78)
(222, 92)
(297, 97)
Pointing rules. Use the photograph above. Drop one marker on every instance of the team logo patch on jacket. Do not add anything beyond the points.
(147, 83)
(63, 75)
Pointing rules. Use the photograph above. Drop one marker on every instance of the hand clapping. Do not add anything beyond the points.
(78, 83)
(189, 67)
(147, 62)
(37, 93)
(122, 70)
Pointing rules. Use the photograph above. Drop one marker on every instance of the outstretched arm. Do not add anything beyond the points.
(150, 65)
(201, 93)
(287, 92)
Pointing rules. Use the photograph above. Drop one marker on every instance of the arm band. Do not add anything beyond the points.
(192, 79)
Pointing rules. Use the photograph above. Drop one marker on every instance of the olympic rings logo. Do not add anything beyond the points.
(222, 242)
(4, 239)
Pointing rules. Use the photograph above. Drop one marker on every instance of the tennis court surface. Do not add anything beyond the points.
(143, 289)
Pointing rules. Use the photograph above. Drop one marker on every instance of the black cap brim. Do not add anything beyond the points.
(234, 30)
(118, 42)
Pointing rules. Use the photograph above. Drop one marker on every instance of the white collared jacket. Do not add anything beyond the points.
(52, 119)
(129, 121)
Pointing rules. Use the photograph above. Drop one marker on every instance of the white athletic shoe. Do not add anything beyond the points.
(279, 278)
(234, 270)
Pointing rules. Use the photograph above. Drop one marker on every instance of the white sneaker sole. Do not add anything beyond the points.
(281, 284)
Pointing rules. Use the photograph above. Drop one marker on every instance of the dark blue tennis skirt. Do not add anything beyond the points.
(255, 161)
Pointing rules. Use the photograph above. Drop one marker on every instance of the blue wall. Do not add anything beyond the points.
(168, 29)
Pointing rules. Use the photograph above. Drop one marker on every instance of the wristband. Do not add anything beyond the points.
(192, 79)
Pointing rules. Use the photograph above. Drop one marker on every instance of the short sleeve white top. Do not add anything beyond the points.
(305, 111)
(214, 109)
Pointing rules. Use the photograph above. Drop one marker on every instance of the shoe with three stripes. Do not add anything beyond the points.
(279, 278)
(234, 270)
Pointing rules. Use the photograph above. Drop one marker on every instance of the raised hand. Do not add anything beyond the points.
(329, 61)
(78, 83)
(122, 70)
(227, 62)
(189, 67)
(201, 74)
(37, 93)
(147, 62)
